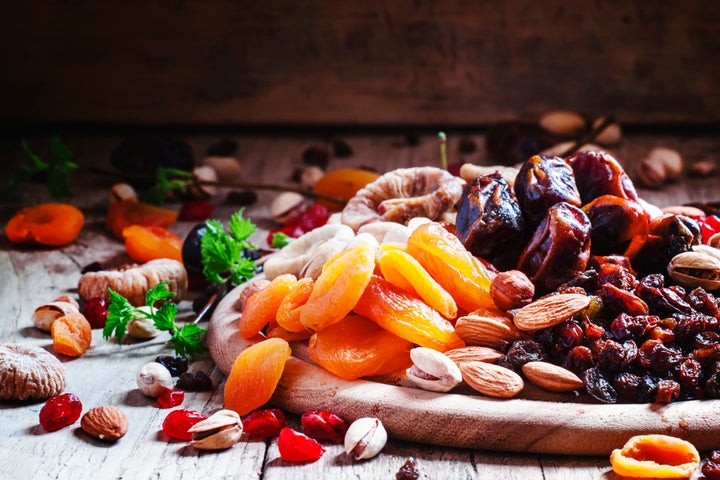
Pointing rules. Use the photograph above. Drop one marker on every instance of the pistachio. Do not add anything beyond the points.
(698, 268)
(661, 165)
(433, 370)
(310, 175)
(154, 379)
(285, 204)
(227, 168)
(122, 191)
(219, 431)
(365, 438)
(46, 314)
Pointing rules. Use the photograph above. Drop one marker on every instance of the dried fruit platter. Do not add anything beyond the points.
(538, 422)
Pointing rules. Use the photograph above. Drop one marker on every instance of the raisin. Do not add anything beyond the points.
(579, 359)
(315, 156)
(569, 335)
(667, 391)
(704, 302)
(522, 352)
(614, 356)
(341, 149)
(175, 365)
(689, 373)
(598, 386)
(408, 470)
(627, 385)
(194, 382)
(711, 469)
(626, 327)
(60, 411)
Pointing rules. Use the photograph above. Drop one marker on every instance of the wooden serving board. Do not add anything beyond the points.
(541, 423)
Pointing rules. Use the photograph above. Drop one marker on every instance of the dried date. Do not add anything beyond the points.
(619, 225)
(598, 174)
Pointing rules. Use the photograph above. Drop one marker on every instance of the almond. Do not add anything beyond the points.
(491, 380)
(550, 311)
(486, 328)
(551, 377)
(474, 354)
(105, 423)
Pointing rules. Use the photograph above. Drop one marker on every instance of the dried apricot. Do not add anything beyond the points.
(149, 242)
(402, 270)
(129, 212)
(53, 224)
(339, 287)
(357, 347)
(255, 375)
(406, 316)
(71, 334)
(276, 331)
(262, 306)
(342, 184)
(655, 456)
(288, 314)
(452, 265)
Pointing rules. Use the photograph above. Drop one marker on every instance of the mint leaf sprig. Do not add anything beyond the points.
(186, 340)
(223, 252)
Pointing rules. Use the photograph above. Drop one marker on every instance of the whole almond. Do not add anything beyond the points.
(474, 354)
(105, 423)
(551, 377)
(550, 311)
(486, 328)
(491, 380)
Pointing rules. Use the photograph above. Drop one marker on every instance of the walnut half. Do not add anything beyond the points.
(29, 373)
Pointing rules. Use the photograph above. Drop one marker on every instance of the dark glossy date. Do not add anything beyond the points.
(599, 173)
(619, 225)
(668, 236)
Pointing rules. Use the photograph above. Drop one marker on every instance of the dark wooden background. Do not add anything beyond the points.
(356, 63)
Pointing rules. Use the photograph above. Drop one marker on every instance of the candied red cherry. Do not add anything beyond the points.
(95, 310)
(197, 210)
(265, 423)
(178, 422)
(60, 411)
(324, 425)
(171, 398)
(298, 447)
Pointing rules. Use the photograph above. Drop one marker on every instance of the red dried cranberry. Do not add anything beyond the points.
(60, 411)
(196, 210)
(177, 423)
(264, 423)
(324, 425)
(297, 447)
(171, 398)
(95, 310)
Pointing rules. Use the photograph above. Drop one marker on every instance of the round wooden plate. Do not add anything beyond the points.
(540, 425)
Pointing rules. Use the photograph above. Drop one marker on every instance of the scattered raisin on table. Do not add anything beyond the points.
(194, 382)
(408, 470)
(175, 365)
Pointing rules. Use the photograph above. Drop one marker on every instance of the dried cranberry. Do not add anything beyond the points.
(175, 365)
(324, 425)
(95, 311)
(194, 382)
(177, 423)
(264, 423)
(171, 398)
(297, 447)
(60, 411)
(196, 210)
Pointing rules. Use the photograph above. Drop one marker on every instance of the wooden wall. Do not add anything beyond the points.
(374, 62)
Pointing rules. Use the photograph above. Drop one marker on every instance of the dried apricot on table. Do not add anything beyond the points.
(406, 316)
(71, 334)
(255, 375)
(655, 456)
(357, 347)
(402, 270)
(339, 287)
(149, 242)
(452, 265)
(128, 212)
(53, 224)
(262, 306)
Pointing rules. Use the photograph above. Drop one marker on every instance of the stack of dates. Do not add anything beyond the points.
(577, 225)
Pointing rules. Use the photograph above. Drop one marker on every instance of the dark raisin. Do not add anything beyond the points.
(341, 149)
(627, 327)
(711, 469)
(408, 470)
(598, 386)
(704, 302)
(614, 356)
(705, 340)
(664, 357)
(194, 382)
(627, 385)
(688, 326)
(522, 352)
(646, 389)
(689, 374)
(579, 359)
(92, 267)
(712, 386)
(569, 335)
(175, 365)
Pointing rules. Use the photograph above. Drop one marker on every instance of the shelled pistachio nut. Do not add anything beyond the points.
(219, 431)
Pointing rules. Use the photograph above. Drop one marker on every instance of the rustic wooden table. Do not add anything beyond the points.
(105, 375)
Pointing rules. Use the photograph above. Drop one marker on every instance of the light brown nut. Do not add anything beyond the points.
(228, 169)
(219, 431)
(549, 311)
(486, 328)
(470, 172)
(552, 377)
(29, 373)
(122, 191)
(564, 123)
(106, 423)
(133, 281)
(474, 354)
(45, 315)
(611, 135)
(285, 204)
(511, 289)
(491, 380)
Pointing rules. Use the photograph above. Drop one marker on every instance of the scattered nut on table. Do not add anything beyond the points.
(219, 431)
(285, 204)
(564, 123)
(106, 423)
(154, 379)
(46, 314)
(661, 165)
(365, 438)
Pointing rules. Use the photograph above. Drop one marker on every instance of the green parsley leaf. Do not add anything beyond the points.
(187, 341)
(120, 312)
(158, 293)
(166, 181)
(241, 228)
(279, 240)
(164, 317)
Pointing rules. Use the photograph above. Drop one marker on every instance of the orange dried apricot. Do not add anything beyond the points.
(452, 265)
(288, 314)
(129, 212)
(255, 375)
(338, 287)
(406, 316)
(357, 347)
(262, 307)
(71, 334)
(402, 270)
(149, 242)
(342, 184)
(655, 456)
(53, 224)
(274, 330)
